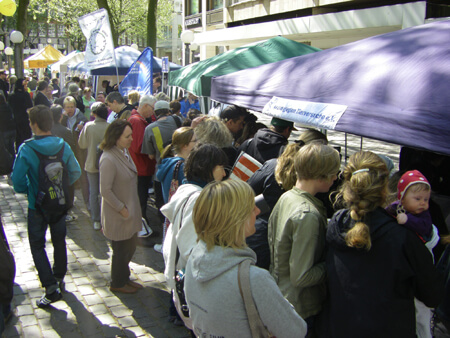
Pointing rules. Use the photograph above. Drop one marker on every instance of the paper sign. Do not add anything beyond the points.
(319, 115)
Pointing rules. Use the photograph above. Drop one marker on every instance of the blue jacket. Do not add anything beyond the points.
(165, 174)
(185, 106)
(25, 174)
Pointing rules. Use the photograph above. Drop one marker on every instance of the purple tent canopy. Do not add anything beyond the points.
(395, 85)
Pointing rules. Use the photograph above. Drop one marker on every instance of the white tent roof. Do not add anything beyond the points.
(72, 58)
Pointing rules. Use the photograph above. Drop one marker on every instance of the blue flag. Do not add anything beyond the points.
(140, 75)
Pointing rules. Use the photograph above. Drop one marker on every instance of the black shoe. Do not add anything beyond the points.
(46, 300)
(61, 284)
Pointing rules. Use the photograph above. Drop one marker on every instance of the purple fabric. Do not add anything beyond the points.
(421, 224)
(396, 85)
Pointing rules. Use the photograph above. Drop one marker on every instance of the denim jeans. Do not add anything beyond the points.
(94, 195)
(37, 227)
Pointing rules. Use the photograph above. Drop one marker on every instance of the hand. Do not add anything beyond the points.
(197, 121)
(124, 212)
(80, 126)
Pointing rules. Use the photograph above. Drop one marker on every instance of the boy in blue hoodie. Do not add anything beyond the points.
(25, 178)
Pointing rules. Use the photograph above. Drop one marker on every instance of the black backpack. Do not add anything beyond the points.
(52, 198)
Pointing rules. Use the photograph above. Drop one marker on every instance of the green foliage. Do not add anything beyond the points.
(128, 17)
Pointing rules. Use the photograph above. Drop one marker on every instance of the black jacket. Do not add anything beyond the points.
(4, 86)
(7, 122)
(20, 101)
(40, 98)
(265, 145)
(372, 292)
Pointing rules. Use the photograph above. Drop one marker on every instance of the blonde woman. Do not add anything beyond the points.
(224, 215)
(274, 178)
(375, 267)
(296, 232)
(133, 98)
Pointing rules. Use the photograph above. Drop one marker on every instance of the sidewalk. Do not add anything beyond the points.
(88, 308)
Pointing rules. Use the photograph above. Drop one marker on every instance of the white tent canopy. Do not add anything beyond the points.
(70, 59)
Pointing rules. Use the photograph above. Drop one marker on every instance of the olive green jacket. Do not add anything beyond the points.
(297, 228)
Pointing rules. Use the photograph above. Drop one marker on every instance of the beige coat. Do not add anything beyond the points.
(90, 137)
(118, 187)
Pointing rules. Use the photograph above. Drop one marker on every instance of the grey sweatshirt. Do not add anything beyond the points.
(215, 303)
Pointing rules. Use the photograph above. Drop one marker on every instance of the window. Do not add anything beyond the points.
(193, 7)
(215, 4)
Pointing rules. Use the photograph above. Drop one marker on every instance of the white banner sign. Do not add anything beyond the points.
(319, 115)
(99, 43)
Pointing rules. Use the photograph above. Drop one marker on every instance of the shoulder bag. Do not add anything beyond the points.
(254, 320)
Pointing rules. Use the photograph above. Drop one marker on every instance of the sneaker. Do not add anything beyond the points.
(46, 300)
(97, 226)
(146, 230)
(158, 248)
(71, 218)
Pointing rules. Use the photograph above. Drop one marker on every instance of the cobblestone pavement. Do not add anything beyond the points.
(88, 307)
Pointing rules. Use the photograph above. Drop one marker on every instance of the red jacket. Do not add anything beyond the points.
(145, 166)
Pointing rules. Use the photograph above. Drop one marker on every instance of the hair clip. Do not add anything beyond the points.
(359, 171)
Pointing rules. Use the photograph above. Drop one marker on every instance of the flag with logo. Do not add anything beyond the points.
(140, 75)
(99, 43)
(244, 167)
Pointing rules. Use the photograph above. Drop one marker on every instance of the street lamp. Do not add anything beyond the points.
(2, 47)
(9, 51)
(187, 37)
(194, 47)
(16, 38)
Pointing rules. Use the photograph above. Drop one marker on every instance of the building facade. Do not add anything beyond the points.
(221, 25)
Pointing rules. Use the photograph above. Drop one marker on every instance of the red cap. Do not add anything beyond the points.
(409, 178)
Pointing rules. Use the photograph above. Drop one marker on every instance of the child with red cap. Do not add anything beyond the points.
(411, 210)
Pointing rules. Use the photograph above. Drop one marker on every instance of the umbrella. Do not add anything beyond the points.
(394, 87)
(196, 77)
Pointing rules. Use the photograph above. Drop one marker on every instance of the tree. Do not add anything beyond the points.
(21, 26)
(151, 24)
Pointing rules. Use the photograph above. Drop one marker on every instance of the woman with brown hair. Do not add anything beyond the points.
(121, 211)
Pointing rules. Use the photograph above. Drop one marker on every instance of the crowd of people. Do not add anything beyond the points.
(303, 248)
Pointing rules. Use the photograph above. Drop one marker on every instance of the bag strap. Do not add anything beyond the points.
(177, 257)
(176, 170)
(177, 121)
(256, 325)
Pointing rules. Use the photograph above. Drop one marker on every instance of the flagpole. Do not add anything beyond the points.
(117, 68)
